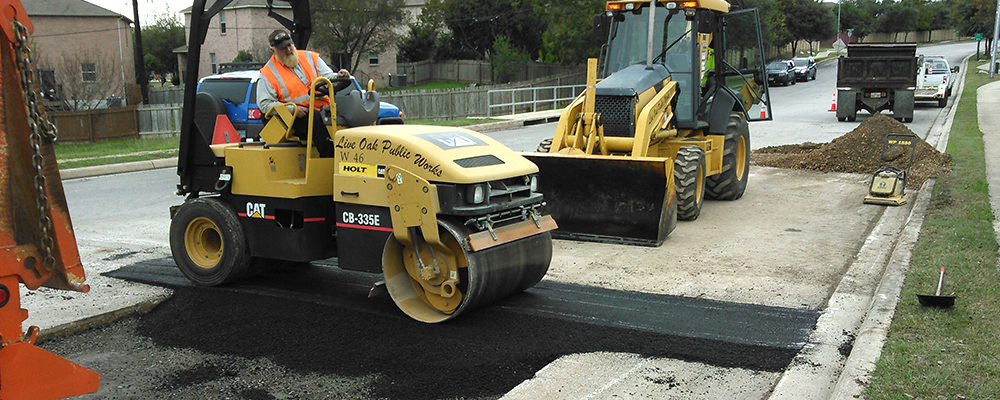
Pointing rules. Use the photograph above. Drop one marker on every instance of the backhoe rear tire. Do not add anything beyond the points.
(732, 181)
(689, 177)
(208, 242)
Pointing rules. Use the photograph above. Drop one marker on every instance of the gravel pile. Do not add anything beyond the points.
(858, 152)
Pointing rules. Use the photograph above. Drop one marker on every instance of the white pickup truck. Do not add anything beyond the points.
(934, 80)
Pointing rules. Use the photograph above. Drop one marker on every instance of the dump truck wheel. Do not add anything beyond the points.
(208, 243)
(544, 146)
(689, 176)
(483, 277)
(732, 181)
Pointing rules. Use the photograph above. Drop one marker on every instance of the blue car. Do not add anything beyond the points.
(238, 92)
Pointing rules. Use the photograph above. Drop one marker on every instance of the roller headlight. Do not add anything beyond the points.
(478, 193)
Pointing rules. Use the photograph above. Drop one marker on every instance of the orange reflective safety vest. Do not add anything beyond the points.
(288, 86)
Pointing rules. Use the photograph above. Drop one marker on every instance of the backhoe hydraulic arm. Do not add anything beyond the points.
(37, 245)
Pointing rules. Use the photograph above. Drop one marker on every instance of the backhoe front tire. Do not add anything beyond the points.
(732, 181)
(208, 243)
(689, 177)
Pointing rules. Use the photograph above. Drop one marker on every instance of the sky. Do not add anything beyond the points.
(148, 9)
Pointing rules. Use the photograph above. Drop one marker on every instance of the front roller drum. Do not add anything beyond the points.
(483, 277)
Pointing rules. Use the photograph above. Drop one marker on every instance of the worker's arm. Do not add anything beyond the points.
(267, 97)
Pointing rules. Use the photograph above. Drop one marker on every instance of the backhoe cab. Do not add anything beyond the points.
(448, 216)
(662, 123)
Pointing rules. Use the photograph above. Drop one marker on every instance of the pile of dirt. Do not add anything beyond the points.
(858, 152)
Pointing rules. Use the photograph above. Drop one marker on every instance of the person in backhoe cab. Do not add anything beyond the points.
(290, 73)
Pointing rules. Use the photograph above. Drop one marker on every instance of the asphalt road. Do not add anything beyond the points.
(720, 310)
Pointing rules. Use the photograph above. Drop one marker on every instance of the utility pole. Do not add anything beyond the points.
(140, 64)
(993, 48)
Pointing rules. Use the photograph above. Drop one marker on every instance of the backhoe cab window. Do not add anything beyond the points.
(628, 45)
(674, 42)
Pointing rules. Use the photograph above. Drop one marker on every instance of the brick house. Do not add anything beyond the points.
(81, 51)
(244, 25)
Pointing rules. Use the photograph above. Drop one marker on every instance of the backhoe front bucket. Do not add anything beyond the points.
(607, 198)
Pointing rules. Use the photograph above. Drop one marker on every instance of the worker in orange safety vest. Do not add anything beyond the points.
(289, 73)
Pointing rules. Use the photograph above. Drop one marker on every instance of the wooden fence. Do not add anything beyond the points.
(96, 125)
(159, 120)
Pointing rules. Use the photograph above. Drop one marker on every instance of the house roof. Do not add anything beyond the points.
(242, 3)
(67, 8)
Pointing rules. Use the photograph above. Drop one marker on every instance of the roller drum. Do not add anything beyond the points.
(488, 275)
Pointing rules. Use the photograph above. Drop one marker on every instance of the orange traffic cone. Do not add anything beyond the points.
(763, 110)
(833, 105)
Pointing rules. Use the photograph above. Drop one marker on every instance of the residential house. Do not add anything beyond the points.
(81, 51)
(244, 25)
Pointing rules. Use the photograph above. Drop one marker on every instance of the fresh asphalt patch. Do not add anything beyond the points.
(312, 318)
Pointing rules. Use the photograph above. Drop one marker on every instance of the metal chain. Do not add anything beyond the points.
(41, 129)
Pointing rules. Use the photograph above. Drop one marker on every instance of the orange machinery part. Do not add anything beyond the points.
(26, 371)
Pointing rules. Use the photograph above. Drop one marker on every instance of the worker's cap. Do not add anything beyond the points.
(279, 39)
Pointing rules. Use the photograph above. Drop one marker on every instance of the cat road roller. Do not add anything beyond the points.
(450, 217)
(661, 125)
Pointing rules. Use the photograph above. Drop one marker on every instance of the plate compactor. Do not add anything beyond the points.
(889, 182)
(448, 216)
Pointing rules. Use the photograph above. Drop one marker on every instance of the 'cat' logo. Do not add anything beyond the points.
(255, 210)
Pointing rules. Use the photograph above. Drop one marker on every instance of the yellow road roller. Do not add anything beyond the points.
(450, 217)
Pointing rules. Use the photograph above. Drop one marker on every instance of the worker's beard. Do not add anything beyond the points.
(288, 60)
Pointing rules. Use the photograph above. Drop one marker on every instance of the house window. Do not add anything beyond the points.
(89, 72)
(373, 58)
(222, 22)
(214, 66)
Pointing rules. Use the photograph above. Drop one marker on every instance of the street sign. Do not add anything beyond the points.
(979, 36)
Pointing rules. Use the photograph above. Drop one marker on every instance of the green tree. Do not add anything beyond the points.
(475, 25)
(858, 17)
(159, 40)
(243, 56)
(507, 60)
(772, 24)
(356, 27)
(810, 21)
(569, 38)
(897, 18)
(422, 40)
(975, 16)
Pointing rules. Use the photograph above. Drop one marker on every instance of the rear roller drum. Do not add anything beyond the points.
(732, 181)
(208, 243)
(462, 280)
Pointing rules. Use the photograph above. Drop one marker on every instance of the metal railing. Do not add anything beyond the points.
(518, 100)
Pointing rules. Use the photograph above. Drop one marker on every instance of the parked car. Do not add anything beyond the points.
(780, 71)
(238, 91)
(805, 68)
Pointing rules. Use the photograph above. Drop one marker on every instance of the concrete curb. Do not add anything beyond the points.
(867, 349)
(82, 324)
(86, 172)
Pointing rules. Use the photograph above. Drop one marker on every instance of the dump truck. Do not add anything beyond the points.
(450, 217)
(876, 77)
(662, 124)
(36, 233)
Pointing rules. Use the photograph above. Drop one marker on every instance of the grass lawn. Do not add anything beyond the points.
(955, 353)
(74, 155)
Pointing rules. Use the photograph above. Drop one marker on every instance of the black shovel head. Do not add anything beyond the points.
(936, 301)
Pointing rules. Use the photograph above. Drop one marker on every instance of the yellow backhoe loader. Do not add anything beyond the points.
(662, 123)
(450, 217)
